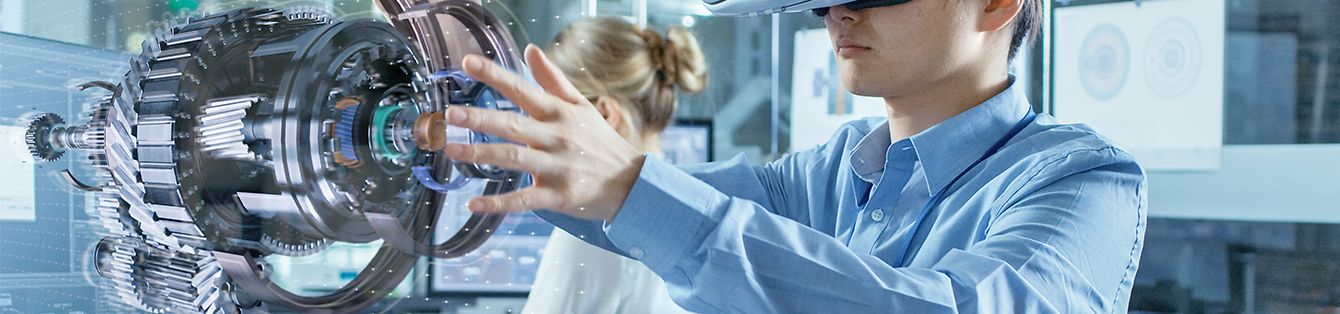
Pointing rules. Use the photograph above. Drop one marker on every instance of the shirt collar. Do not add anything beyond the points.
(947, 148)
(870, 154)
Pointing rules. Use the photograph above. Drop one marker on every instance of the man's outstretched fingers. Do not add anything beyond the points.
(533, 100)
(504, 124)
(508, 156)
(531, 198)
(550, 77)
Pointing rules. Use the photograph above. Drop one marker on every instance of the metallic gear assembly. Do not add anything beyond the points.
(258, 132)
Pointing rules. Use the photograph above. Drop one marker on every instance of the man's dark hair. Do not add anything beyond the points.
(1026, 26)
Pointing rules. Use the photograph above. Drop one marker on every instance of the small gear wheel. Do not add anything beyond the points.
(39, 143)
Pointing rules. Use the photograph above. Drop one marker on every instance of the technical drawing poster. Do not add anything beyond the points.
(1148, 76)
(16, 199)
(819, 103)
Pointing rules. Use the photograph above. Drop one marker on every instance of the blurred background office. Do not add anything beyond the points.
(1233, 104)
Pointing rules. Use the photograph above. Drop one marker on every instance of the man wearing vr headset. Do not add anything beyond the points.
(960, 200)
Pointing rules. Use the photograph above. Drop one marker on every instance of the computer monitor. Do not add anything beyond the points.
(688, 141)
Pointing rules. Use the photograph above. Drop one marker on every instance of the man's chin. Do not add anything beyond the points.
(878, 85)
(860, 89)
(860, 84)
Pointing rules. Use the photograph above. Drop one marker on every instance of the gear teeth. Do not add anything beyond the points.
(117, 167)
(154, 88)
(153, 252)
(127, 278)
(111, 213)
(48, 137)
(108, 209)
(220, 128)
(160, 282)
(309, 13)
(344, 136)
(40, 127)
(294, 250)
(125, 174)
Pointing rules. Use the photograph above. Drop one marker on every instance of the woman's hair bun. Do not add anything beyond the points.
(679, 58)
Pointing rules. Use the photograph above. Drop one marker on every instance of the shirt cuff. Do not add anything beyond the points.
(664, 215)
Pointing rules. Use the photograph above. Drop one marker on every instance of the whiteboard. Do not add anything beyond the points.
(1149, 76)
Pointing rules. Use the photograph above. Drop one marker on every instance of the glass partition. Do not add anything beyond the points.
(1255, 232)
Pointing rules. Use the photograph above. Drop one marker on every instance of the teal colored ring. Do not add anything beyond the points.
(380, 117)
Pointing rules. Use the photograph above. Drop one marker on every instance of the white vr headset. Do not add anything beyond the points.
(760, 7)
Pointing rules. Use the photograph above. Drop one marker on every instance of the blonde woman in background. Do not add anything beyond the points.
(632, 75)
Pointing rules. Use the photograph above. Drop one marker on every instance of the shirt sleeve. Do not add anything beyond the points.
(1051, 248)
(778, 187)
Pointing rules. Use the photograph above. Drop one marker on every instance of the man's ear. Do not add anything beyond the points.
(997, 14)
(611, 111)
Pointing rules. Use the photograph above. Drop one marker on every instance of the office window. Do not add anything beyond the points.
(1282, 78)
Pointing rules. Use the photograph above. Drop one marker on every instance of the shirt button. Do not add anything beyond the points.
(636, 253)
(877, 215)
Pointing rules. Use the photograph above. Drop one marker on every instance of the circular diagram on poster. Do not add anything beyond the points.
(1172, 57)
(1104, 61)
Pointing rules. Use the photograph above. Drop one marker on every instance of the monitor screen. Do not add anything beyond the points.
(688, 142)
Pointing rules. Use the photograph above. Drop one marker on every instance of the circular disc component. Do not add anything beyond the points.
(430, 25)
(383, 139)
(426, 133)
(363, 59)
(1172, 57)
(1104, 61)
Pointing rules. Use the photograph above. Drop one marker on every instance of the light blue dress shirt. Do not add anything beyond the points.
(1052, 223)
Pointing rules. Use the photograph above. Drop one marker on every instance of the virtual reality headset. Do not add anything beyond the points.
(761, 7)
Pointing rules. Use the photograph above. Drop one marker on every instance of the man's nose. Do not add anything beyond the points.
(842, 15)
